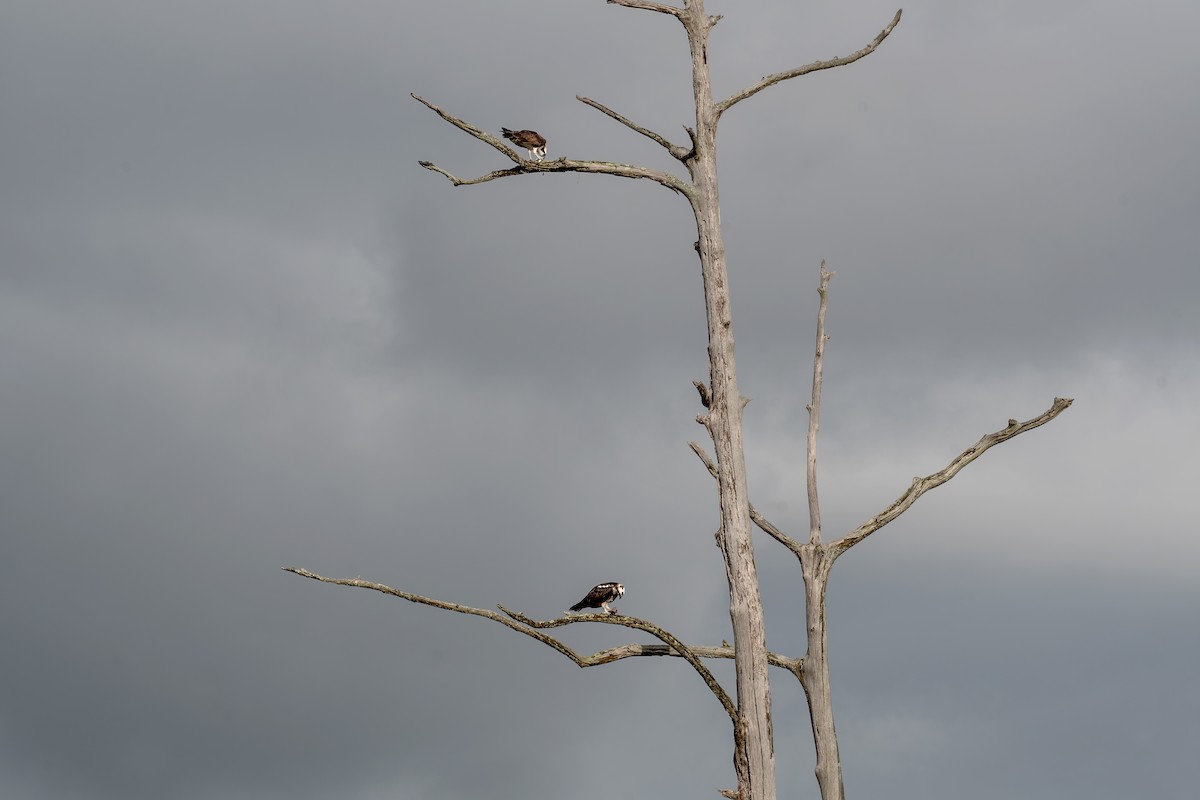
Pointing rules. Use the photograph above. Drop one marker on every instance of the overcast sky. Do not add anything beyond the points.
(241, 328)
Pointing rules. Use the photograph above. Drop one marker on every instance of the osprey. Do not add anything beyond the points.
(533, 142)
(600, 596)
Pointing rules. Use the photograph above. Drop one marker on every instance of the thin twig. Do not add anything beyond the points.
(770, 80)
(491, 176)
(755, 517)
(922, 485)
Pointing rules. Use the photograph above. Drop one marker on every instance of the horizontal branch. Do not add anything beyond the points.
(524, 166)
(793, 665)
(778, 77)
(566, 165)
(681, 153)
(491, 176)
(755, 517)
(922, 485)
(645, 5)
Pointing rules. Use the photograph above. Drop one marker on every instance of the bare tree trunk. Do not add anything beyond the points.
(815, 563)
(754, 751)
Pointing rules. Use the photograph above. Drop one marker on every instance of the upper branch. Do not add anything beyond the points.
(646, 5)
(478, 133)
(814, 410)
(778, 77)
(921, 485)
(681, 153)
(666, 179)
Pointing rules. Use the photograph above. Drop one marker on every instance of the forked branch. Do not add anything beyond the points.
(922, 485)
(524, 166)
(815, 66)
(533, 628)
(642, 625)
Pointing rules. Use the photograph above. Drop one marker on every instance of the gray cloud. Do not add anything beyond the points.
(241, 328)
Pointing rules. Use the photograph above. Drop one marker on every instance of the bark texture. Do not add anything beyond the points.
(754, 747)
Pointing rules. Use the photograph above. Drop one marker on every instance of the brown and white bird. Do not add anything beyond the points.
(600, 596)
(533, 142)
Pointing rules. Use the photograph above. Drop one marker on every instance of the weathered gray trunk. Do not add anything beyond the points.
(816, 561)
(754, 751)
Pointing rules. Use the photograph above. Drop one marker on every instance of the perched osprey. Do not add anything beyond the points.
(600, 596)
(533, 142)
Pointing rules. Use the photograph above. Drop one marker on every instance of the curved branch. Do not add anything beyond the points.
(755, 517)
(531, 628)
(559, 165)
(922, 485)
(727, 103)
(491, 176)
(681, 153)
(642, 625)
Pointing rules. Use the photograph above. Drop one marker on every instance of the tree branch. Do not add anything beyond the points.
(648, 6)
(478, 133)
(524, 166)
(642, 625)
(793, 665)
(814, 410)
(565, 165)
(491, 176)
(532, 628)
(755, 517)
(727, 103)
(681, 153)
(921, 485)
(545, 639)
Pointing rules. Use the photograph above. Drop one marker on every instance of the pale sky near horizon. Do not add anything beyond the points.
(241, 328)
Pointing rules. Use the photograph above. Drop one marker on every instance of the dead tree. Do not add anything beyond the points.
(749, 710)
